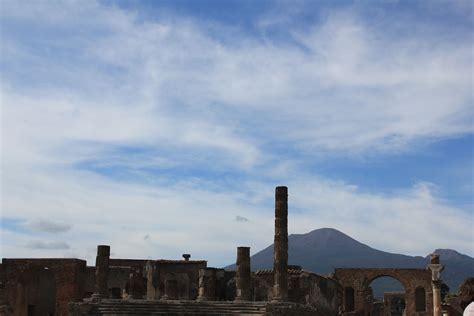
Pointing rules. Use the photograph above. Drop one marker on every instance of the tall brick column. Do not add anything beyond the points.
(436, 269)
(243, 279)
(102, 272)
(280, 251)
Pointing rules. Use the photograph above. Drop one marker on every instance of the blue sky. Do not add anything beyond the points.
(162, 127)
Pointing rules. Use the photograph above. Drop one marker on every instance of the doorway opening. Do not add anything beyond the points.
(385, 297)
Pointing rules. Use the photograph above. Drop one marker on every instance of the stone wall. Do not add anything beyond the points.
(118, 279)
(43, 286)
(183, 274)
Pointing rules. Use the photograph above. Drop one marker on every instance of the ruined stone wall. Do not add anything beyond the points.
(43, 286)
(185, 274)
(262, 285)
(117, 281)
(129, 263)
(359, 279)
(303, 287)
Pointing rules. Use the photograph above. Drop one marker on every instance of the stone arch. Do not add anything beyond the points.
(367, 281)
(394, 302)
(411, 279)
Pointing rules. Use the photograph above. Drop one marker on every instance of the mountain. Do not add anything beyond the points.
(457, 267)
(323, 250)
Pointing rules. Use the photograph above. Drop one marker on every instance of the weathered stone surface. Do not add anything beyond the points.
(102, 272)
(305, 287)
(280, 252)
(436, 268)
(207, 284)
(358, 281)
(136, 285)
(243, 277)
(179, 308)
(46, 285)
(186, 274)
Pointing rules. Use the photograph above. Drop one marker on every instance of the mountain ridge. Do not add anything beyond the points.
(324, 249)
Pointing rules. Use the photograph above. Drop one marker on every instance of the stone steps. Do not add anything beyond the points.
(177, 308)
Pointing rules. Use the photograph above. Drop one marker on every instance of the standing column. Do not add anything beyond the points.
(436, 269)
(243, 279)
(280, 251)
(102, 272)
(136, 284)
(207, 284)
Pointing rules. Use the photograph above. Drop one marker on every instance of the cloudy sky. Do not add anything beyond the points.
(162, 127)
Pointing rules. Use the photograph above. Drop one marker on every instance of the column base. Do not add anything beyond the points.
(203, 299)
(240, 299)
(97, 297)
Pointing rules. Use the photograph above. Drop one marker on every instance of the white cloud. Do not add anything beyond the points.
(412, 222)
(94, 81)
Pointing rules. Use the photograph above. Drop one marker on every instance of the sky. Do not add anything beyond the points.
(162, 127)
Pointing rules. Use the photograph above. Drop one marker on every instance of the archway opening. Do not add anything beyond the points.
(349, 299)
(385, 297)
(420, 299)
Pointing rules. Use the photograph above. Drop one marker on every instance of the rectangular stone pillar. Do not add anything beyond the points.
(280, 250)
(243, 278)
(152, 281)
(102, 272)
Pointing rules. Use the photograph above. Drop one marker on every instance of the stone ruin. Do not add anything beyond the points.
(189, 287)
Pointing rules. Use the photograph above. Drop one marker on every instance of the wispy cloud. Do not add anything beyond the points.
(241, 219)
(134, 130)
(43, 225)
(48, 245)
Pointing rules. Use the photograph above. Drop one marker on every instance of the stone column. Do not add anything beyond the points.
(171, 290)
(207, 284)
(135, 284)
(242, 277)
(102, 272)
(280, 251)
(436, 269)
